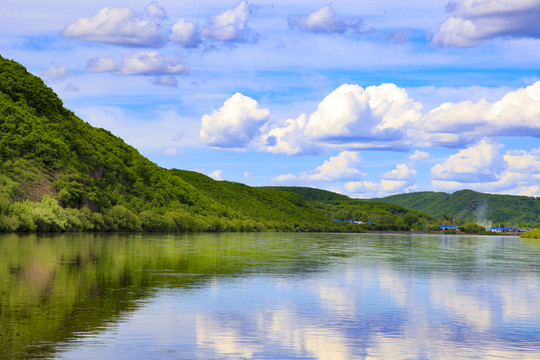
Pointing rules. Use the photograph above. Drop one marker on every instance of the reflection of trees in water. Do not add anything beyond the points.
(54, 287)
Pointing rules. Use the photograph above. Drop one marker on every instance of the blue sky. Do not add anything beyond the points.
(367, 98)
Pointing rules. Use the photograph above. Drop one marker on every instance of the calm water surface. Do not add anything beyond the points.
(269, 296)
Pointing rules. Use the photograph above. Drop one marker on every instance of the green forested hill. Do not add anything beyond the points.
(472, 206)
(265, 205)
(59, 173)
(383, 216)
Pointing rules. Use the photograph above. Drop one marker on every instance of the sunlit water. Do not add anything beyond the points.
(269, 296)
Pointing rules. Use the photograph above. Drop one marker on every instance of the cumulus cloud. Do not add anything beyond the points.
(402, 173)
(480, 163)
(146, 63)
(101, 64)
(153, 10)
(473, 22)
(231, 25)
(419, 156)
(186, 33)
(350, 117)
(235, 124)
(515, 114)
(126, 27)
(395, 181)
(216, 175)
(56, 73)
(385, 117)
(325, 20)
(121, 26)
(151, 63)
(483, 167)
(345, 166)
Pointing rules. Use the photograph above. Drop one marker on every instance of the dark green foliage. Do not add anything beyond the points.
(311, 194)
(471, 228)
(383, 216)
(469, 205)
(58, 173)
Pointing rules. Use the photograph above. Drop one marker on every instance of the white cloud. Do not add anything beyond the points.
(401, 173)
(56, 73)
(121, 26)
(398, 180)
(146, 63)
(483, 167)
(153, 10)
(473, 22)
(385, 117)
(216, 175)
(287, 137)
(186, 33)
(235, 124)
(231, 25)
(419, 156)
(480, 163)
(284, 178)
(325, 20)
(351, 117)
(170, 151)
(345, 166)
(101, 64)
(515, 114)
(151, 63)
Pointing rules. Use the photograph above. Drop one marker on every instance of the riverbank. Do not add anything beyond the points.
(533, 234)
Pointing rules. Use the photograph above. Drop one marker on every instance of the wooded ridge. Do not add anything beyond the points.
(59, 173)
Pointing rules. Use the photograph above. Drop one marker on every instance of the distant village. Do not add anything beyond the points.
(500, 230)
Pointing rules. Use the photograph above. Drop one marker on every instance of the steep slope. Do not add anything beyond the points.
(59, 173)
(472, 206)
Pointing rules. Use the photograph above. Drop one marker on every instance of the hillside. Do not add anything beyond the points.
(382, 216)
(58, 173)
(472, 206)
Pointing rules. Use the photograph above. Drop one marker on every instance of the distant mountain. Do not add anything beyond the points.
(471, 206)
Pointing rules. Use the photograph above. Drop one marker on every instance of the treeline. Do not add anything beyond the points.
(59, 173)
(468, 205)
(48, 216)
(375, 216)
(532, 234)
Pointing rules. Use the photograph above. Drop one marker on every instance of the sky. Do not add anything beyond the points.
(367, 98)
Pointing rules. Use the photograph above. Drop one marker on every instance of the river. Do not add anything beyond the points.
(269, 296)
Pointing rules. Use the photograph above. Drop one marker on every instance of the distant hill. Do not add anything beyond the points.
(471, 206)
(59, 173)
(382, 216)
